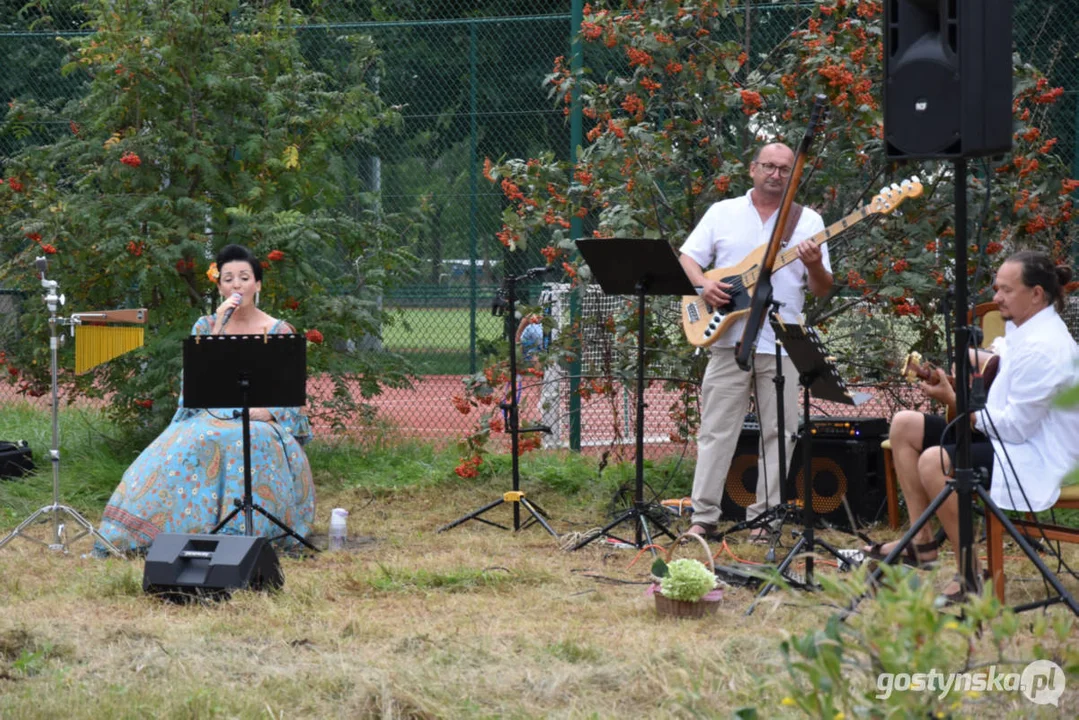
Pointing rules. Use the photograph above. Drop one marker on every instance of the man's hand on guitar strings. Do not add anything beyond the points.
(809, 253)
(938, 388)
(714, 292)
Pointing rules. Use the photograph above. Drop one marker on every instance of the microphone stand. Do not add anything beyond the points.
(515, 496)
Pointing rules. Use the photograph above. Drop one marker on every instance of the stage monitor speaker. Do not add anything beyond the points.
(853, 468)
(182, 567)
(947, 78)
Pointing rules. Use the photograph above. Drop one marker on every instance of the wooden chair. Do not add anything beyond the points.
(994, 535)
(989, 319)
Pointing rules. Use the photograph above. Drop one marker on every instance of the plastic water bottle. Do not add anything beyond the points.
(338, 528)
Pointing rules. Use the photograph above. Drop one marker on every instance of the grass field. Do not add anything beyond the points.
(436, 340)
(439, 329)
(473, 622)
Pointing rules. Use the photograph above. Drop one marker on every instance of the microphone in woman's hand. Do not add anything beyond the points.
(228, 313)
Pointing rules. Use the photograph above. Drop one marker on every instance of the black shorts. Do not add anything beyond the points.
(981, 449)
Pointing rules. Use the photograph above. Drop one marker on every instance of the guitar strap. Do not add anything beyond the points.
(793, 216)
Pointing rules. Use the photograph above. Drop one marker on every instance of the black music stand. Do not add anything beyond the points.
(641, 267)
(818, 376)
(246, 371)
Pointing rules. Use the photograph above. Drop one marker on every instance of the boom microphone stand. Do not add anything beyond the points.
(60, 541)
(515, 496)
(965, 484)
(788, 507)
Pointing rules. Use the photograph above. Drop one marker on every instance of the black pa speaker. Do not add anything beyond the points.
(183, 567)
(851, 468)
(947, 78)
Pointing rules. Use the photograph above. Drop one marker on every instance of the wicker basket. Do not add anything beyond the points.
(683, 608)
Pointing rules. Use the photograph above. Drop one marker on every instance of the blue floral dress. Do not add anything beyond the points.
(187, 479)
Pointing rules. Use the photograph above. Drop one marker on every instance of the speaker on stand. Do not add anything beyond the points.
(947, 78)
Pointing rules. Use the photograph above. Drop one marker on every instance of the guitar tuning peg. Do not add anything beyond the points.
(914, 179)
(884, 191)
(895, 187)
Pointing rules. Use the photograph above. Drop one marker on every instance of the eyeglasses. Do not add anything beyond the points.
(769, 168)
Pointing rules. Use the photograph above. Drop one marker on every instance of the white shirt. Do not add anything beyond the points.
(730, 230)
(1040, 360)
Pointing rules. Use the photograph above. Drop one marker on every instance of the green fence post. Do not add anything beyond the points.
(576, 225)
(473, 183)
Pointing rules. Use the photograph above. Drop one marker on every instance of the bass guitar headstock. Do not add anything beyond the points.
(890, 197)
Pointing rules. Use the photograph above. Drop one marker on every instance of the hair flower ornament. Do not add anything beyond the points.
(212, 272)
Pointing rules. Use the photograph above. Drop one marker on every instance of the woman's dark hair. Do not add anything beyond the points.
(232, 253)
(1038, 269)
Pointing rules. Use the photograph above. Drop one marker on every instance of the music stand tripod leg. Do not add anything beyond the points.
(281, 524)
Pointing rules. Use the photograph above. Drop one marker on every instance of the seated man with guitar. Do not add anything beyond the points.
(729, 232)
(1025, 441)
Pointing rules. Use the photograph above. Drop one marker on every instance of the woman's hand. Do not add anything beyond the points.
(231, 302)
(260, 414)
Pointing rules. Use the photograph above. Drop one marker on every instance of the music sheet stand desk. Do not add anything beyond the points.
(246, 371)
(820, 378)
(641, 267)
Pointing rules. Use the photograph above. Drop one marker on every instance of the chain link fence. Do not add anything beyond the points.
(467, 78)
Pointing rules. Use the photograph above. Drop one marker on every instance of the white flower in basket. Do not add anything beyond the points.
(685, 587)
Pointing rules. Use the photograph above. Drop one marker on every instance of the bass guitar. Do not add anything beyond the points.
(704, 323)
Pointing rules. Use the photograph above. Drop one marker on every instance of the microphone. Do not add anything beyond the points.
(228, 313)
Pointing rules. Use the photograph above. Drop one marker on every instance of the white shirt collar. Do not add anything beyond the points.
(1035, 324)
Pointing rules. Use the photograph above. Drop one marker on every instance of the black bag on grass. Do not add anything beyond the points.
(15, 459)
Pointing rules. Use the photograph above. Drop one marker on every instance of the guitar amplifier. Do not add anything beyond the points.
(847, 463)
(849, 428)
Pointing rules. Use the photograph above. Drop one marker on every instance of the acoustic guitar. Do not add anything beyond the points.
(915, 369)
(704, 324)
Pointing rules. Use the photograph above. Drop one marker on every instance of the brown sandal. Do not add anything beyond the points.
(910, 555)
(708, 530)
(962, 595)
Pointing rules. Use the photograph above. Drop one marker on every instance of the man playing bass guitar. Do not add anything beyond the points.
(730, 230)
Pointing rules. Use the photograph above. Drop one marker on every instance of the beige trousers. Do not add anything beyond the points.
(724, 401)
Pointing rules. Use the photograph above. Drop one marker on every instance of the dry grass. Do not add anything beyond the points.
(474, 622)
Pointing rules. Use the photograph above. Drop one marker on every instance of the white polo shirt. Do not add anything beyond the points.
(729, 231)
(1040, 360)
